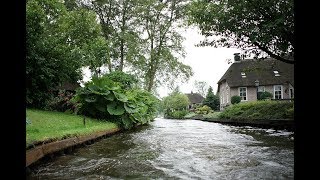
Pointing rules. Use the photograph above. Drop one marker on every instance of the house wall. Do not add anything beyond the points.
(251, 93)
(224, 95)
(226, 92)
(285, 90)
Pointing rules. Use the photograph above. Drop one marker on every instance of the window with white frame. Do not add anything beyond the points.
(243, 93)
(278, 94)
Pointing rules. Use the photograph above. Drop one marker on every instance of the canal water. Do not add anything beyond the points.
(179, 149)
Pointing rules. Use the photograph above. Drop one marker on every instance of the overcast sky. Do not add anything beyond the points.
(208, 63)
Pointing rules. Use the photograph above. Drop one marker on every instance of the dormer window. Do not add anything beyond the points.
(276, 73)
(243, 75)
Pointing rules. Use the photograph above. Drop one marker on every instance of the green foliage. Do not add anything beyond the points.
(103, 98)
(235, 99)
(204, 110)
(211, 100)
(176, 101)
(264, 95)
(55, 41)
(251, 25)
(179, 114)
(212, 115)
(127, 81)
(190, 115)
(259, 110)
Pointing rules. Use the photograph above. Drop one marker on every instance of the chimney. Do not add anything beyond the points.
(237, 57)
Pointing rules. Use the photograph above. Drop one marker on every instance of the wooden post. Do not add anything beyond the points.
(84, 120)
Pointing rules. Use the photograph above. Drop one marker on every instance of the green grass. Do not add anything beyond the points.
(50, 126)
(214, 115)
(190, 115)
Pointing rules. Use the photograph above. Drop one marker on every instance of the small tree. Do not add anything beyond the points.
(264, 95)
(235, 99)
(211, 100)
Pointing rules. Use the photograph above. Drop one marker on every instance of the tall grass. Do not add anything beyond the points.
(49, 126)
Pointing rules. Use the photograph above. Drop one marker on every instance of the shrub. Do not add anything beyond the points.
(264, 95)
(213, 115)
(204, 110)
(190, 115)
(62, 102)
(103, 98)
(179, 114)
(259, 110)
(235, 99)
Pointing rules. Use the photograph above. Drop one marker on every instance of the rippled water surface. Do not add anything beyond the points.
(179, 149)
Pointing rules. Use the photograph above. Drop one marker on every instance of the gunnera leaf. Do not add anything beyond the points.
(121, 97)
(115, 108)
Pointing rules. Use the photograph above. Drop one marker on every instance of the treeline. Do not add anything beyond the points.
(133, 36)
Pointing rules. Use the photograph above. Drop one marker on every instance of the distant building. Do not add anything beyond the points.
(247, 77)
(195, 99)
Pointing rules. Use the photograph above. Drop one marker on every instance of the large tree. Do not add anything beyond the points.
(252, 25)
(119, 21)
(143, 39)
(164, 44)
(55, 42)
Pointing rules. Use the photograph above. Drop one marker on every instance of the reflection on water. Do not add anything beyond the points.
(179, 149)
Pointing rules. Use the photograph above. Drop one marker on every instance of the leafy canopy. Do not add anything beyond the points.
(175, 101)
(252, 25)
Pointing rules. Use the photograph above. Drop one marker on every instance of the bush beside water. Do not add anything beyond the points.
(259, 110)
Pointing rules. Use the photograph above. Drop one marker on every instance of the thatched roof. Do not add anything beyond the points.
(262, 70)
(195, 98)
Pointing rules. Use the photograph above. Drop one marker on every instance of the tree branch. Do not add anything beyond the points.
(273, 55)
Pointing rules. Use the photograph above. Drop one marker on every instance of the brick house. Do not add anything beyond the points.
(247, 77)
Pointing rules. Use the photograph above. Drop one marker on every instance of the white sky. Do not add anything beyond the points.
(208, 63)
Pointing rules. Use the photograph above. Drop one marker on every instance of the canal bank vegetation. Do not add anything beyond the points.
(111, 101)
(177, 106)
(174, 105)
(259, 110)
(117, 101)
(46, 126)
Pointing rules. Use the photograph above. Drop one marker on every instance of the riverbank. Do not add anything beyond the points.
(265, 114)
(279, 124)
(50, 132)
(48, 126)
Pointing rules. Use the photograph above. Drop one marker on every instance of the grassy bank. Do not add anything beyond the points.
(259, 110)
(50, 126)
